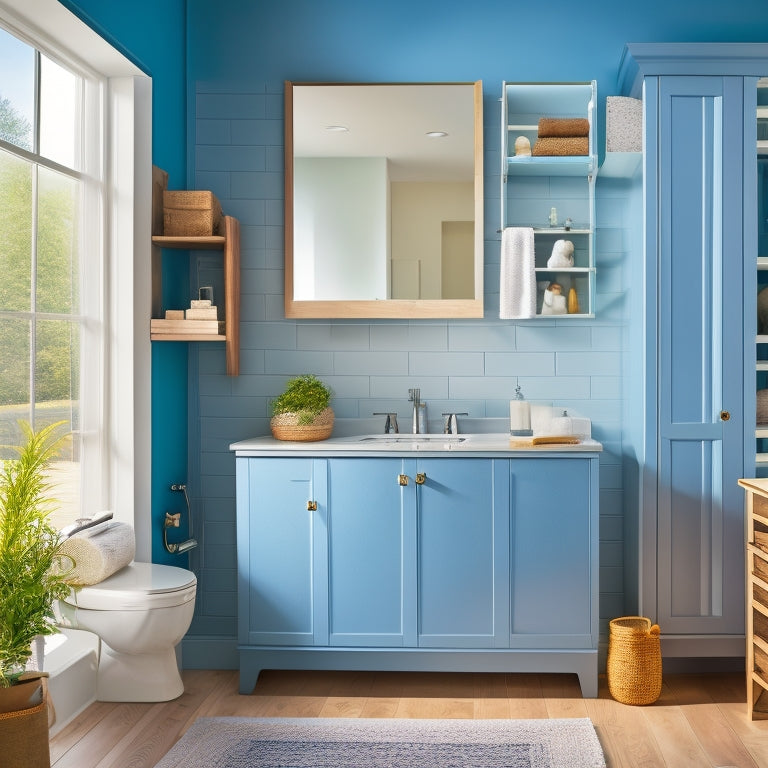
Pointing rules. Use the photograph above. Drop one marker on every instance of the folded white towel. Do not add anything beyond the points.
(517, 280)
(99, 555)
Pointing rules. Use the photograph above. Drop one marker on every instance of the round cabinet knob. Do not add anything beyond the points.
(402, 479)
(312, 506)
(725, 415)
(421, 478)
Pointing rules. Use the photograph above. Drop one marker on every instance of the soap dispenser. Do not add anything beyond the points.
(519, 415)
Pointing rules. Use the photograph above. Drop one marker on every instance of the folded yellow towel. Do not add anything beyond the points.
(561, 147)
(99, 555)
(563, 126)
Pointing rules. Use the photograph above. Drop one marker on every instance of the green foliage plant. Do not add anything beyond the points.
(304, 395)
(32, 568)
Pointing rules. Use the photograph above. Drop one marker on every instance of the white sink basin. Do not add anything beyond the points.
(399, 438)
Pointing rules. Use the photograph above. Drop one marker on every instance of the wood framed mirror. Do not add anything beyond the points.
(383, 200)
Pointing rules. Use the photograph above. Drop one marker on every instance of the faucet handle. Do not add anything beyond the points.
(390, 425)
(452, 423)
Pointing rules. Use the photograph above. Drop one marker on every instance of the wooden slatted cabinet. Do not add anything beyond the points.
(757, 596)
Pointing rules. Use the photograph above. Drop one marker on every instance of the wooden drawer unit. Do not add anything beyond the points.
(757, 597)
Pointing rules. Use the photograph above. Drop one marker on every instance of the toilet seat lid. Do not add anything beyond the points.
(138, 584)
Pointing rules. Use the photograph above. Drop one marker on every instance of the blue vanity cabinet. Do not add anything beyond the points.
(463, 552)
(417, 562)
(692, 430)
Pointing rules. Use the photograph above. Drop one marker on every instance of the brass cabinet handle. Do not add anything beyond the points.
(725, 415)
(402, 479)
(420, 478)
(312, 506)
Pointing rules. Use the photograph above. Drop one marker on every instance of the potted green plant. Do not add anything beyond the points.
(32, 577)
(302, 412)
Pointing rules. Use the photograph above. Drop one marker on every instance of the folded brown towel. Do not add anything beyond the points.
(561, 147)
(563, 126)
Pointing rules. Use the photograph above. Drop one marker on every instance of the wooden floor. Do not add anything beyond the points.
(699, 720)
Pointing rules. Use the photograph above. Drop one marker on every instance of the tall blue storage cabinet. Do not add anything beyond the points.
(695, 435)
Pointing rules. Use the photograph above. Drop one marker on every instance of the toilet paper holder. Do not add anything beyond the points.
(173, 520)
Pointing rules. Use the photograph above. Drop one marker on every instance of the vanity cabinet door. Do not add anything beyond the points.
(463, 552)
(554, 540)
(371, 557)
(282, 552)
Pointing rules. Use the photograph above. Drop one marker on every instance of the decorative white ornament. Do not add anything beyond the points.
(562, 254)
(522, 146)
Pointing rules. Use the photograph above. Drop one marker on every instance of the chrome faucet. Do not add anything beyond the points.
(390, 425)
(414, 396)
(452, 423)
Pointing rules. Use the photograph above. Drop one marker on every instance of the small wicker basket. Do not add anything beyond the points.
(24, 734)
(634, 660)
(285, 426)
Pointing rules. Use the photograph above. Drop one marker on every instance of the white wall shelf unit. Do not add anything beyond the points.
(531, 186)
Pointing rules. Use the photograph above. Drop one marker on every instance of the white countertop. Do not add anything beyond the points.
(405, 443)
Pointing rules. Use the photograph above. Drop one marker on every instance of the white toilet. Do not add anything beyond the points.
(140, 614)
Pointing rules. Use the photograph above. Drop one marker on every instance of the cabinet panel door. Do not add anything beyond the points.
(370, 541)
(463, 553)
(700, 355)
(552, 562)
(283, 543)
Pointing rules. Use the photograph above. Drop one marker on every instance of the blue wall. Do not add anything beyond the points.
(238, 54)
(153, 35)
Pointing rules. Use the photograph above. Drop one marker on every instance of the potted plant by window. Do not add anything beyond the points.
(32, 577)
(302, 412)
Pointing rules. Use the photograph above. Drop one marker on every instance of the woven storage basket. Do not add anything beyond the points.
(634, 660)
(24, 736)
(191, 213)
(285, 426)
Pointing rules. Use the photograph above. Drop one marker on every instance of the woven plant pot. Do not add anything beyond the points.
(634, 660)
(24, 732)
(285, 426)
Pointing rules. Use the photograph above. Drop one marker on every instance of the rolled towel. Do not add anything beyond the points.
(564, 146)
(99, 555)
(563, 126)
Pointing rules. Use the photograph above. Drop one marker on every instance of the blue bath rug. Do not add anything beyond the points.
(242, 742)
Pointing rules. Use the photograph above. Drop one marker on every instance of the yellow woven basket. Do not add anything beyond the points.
(285, 426)
(634, 660)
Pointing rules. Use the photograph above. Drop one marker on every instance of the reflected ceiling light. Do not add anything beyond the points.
(436, 134)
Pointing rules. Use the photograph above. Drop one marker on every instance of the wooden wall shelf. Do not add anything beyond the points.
(229, 245)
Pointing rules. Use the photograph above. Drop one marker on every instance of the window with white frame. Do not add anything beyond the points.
(51, 261)
(75, 188)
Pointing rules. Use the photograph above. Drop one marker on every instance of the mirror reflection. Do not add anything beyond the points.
(383, 200)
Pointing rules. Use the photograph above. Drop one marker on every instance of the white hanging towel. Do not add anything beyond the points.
(517, 281)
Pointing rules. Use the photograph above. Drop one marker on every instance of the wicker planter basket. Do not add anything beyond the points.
(285, 426)
(634, 660)
(24, 732)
